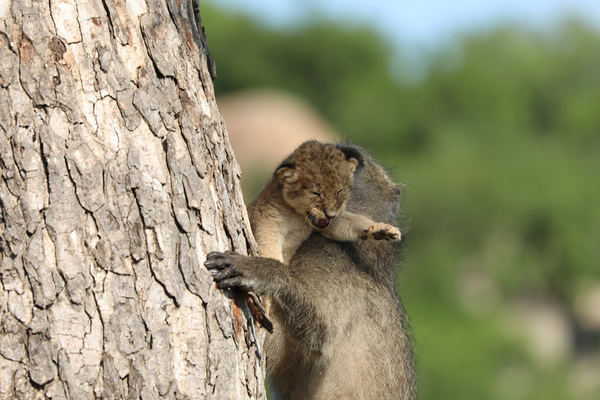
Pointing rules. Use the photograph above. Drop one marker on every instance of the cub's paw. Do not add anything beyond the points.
(381, 231)
(230, 270)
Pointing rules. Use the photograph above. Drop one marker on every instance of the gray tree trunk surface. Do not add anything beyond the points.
(117, 178)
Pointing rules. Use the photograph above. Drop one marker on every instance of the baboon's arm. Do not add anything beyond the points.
(270, 277)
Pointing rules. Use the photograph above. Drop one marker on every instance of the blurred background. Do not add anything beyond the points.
(489, 111)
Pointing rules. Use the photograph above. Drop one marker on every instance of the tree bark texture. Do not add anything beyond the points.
(117, 179)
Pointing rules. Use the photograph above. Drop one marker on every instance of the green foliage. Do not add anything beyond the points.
(500, 148)
(321, 62)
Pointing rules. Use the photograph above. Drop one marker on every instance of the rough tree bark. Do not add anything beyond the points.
(117, 178)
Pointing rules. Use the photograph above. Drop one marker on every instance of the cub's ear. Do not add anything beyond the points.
(286, 173)
(352, 152)
(353, 164)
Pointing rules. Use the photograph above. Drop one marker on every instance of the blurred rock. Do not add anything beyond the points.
(546, 328)
(587, 308)
(265, 126)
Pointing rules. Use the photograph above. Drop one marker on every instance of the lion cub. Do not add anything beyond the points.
(307, 193)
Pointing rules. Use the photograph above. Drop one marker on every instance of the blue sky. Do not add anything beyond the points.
(419, 23)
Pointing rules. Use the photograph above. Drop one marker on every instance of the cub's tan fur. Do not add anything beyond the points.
(307, 193)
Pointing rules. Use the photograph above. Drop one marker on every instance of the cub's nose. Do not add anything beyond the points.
(330, 213)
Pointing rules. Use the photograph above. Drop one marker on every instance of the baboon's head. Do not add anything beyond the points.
(316, 179)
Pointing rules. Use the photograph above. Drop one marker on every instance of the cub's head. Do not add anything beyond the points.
(316, 180)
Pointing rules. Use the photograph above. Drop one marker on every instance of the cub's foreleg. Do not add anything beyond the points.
(348, 227)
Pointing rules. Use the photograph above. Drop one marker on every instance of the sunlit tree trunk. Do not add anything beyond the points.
(116, 179)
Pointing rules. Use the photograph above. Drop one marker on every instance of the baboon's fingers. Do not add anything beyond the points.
(226, 272)
(229, 283)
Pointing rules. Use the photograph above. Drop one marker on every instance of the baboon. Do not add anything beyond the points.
(340, 331)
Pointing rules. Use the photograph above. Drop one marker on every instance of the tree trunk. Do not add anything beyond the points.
(117, 179)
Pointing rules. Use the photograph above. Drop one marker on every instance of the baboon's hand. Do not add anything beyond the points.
(382, 231)
(230, 270)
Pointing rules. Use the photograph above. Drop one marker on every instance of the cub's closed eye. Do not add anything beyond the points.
(317, 194)
(339, 192)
